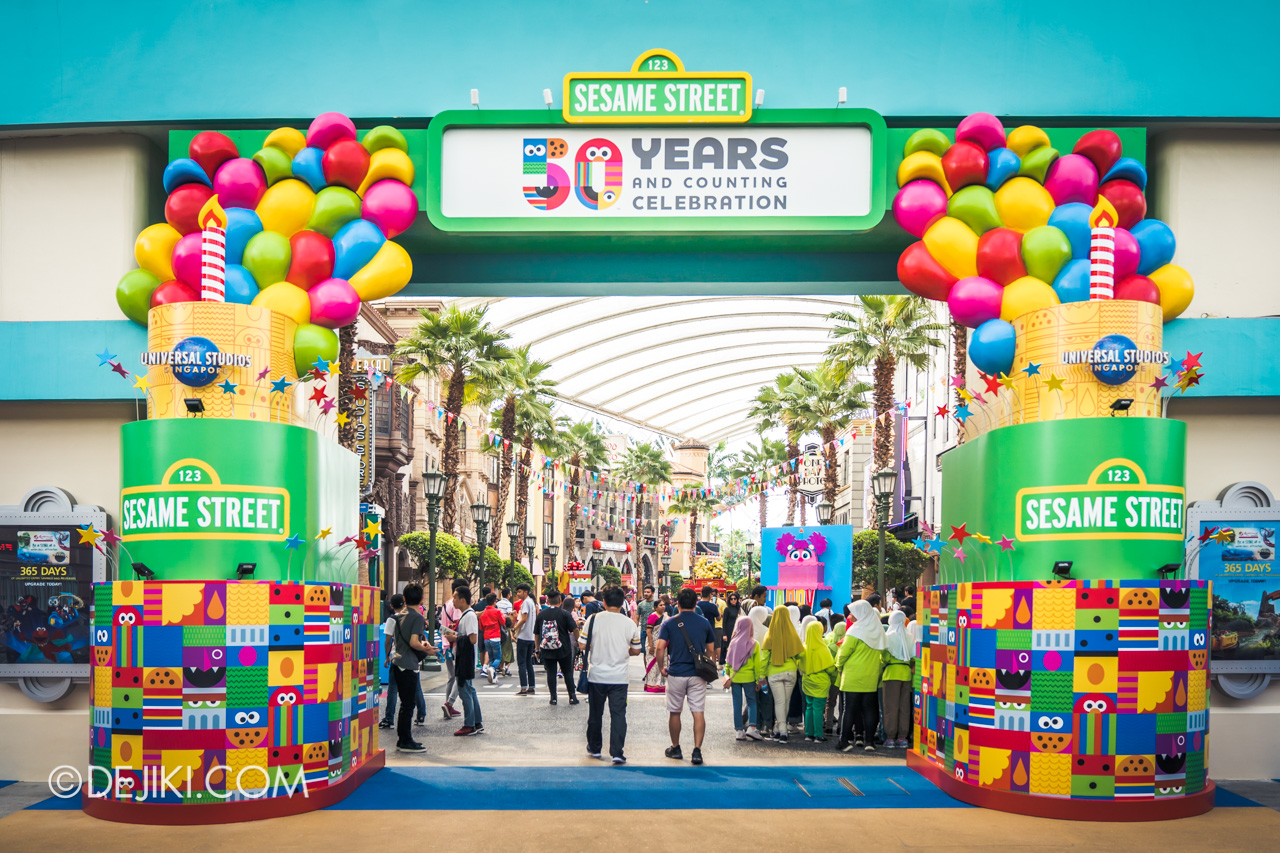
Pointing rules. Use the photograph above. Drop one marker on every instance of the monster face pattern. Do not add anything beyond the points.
(598, 174)
(546, 185)
(197, 675)
(1075, 689)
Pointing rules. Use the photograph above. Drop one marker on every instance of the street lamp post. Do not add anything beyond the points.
(530, 542)
(553, 551)
(883, 484)
(480, 515)
(596, 555)
(751, 547)
(825, 511)
(513, 538)
(433, 487)
(666, 570)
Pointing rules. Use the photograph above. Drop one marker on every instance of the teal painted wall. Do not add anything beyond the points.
(93, 62)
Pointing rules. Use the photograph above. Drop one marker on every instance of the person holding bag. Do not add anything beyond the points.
(898, 655)
(781, 653)
(691, 642)
(742, 670)
(858, 668)
(816, 668)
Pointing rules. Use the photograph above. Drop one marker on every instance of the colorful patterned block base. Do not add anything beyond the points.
(219, 693)
(1077, 690)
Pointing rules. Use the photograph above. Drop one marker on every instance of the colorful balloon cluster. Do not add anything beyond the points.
(1004, 227)
(309, 222)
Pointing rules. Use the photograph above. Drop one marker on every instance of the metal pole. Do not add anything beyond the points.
(882, 512)
(482, 537)
(433, 523)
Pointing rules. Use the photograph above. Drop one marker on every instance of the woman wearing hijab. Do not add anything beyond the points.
(781, 652)
(896, 682)
(742, 669)
(833, 639)
(760, 617)
(795, 708)
(729, 621)
(816, 668)
(858, 665)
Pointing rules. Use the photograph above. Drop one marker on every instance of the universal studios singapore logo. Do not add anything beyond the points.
(180, 784)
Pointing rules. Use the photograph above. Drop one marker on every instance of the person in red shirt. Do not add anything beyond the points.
(492, 620)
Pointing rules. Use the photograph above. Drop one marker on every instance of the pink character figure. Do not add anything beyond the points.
(800, 567)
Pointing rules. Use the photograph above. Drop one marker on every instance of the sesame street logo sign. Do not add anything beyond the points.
(192, 502)
(657, 90)
(1116, 503)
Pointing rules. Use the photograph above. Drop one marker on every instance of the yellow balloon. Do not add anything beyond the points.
(154, 249)
(1176, 289)
(1023, 204)
(390, 270)
(954, 245)
(387, 163)
(1023, 140)
(286, 206)
(286, 298)
(1024, 295)
(923, 164)
(288, 139)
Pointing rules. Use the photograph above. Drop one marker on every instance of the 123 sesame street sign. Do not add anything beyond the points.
(657, 90)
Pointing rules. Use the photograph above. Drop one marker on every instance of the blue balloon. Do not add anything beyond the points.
(1128, 169)
(1003, 164)
(183, 171)
(1156, 242)
(308, 164)
(242, 225)
(240, 284)
(1114, 367)
(354, 245)
(991, 347)
(1072, 283)
(1073, 220)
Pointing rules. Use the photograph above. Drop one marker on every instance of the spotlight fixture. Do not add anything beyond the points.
(546, 97)
(1121, 406)
(141, 570)
(842, 97)
(1168, 570)
(245, 570)
(195, 406)
(1062, 569)
(759, 98)
(475, 98)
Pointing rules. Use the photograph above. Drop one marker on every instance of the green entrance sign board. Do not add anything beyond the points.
(657, 90)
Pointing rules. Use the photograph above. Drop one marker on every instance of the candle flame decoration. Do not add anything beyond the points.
(1103, 216)
(1102, 250)
(213, 251)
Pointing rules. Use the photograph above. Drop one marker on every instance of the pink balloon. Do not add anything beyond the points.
(390, 205)
(1072, 178)
(1127, 254)
(983, 129)
(334, 303)
(918, 205)
(239, 183)
(328, 128)
(975, 300)
(186, 260)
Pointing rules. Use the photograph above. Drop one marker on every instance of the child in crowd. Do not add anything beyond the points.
(781, 652)
(742, 670)
(858, 665)
(759, 614)
(899, 652)
(816, 669)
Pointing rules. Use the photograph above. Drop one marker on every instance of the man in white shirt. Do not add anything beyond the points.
(610, 639)
(526, 614)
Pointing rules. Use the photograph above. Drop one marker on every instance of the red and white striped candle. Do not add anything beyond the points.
(1102, 250)
(213, 251)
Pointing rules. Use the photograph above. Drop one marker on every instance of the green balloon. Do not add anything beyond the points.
(1037, 162)
(275, 164)
(133, 294)
(927, 140)
(335, 207)
(975, 206)
(311, 342)
(385, 136)
(1044, 251)
(267, 256)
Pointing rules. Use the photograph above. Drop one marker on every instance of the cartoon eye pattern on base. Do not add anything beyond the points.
(209, 675)
(1087, 690)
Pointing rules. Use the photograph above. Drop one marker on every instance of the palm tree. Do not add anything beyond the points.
(463, 349)
(646, 465)
(757, 461)
(520, 383)
(959, 361)
(536, 430)
(691, 502)
(775, 407)
(582, 446)
(887, 330)
(827, 405)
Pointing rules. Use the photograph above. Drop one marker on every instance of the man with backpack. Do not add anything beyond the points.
(409, 652)
(557, 635)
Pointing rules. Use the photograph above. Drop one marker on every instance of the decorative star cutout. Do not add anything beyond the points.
(965, 395)
(992, 383)
(327, 406)
(293, 542)
(983, 538)
(1159, 383)
(1175, 366)
(1005, 543)
(264, 373)
(1006, 380)
(89, 535)
(372, 528)
(346, 539)
(1032, 369)
(118, 368)
(361, 543)
(368, 555)
(963, 413)
(280, 385)
(959, 533)
(957, 381)
(1190, 378)
(1191, 360)
(1053, 383)
(942, 412)
(960, 555)
(140, 382)
(320, 365)
(105, 357)
(1223, 536)
(936, 545)
(324, 533)
(920, 543)
(335, 369)
(227, 386)
(1204, 537)
(358, 392)
(342, 419)
(318, 394)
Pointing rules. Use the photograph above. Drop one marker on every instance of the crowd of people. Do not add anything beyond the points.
(790, 671)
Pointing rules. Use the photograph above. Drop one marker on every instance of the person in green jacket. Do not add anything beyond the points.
(858, 668)
(816, 668)
(833, 639)
(781, 653)
(899, 652)
(742, 671)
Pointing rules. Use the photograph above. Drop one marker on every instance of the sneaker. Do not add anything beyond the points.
(859, 742)
(741, 735)
(767, 736)
(819, 740)
(754, 734)
(523, 692)
(808, 739)
(844, 747)
(385, 724)
(619, 760)
(464, 731)
(450, 711)
(781, 738)
(421, 721)
(674, 753)
(488, 673)
(574, 701)
(868, 748)
(411, 746)
(591, 754)
(696, 757)
(478, 728)
(553, 701)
